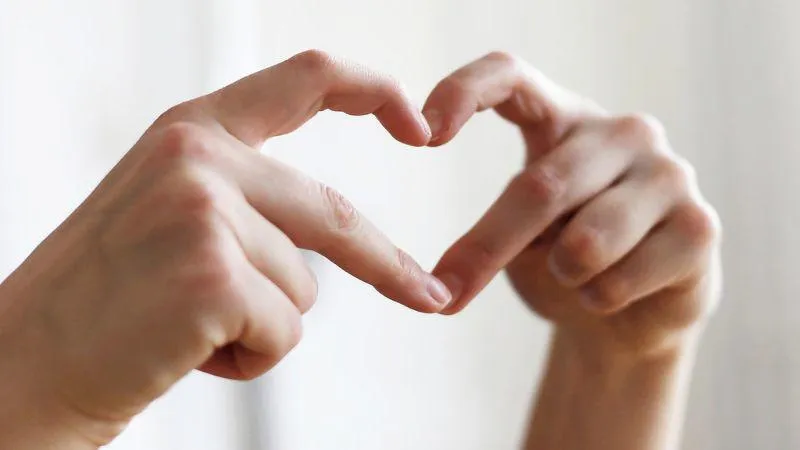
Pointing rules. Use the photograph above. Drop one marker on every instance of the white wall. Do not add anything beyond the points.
(80, 80)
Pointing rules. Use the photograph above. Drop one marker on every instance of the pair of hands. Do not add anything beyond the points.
(187, 255)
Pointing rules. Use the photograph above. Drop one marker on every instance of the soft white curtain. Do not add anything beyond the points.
(79, 81)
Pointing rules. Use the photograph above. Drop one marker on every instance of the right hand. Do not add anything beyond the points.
(186, 255)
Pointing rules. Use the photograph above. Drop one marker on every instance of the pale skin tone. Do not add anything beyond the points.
(187, 257)
(605, 234)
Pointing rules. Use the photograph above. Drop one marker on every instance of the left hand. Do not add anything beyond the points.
(603, 231)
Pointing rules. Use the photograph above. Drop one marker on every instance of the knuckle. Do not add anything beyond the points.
(579, 251)
(314, 61)
(609, 293)
(176, 113)
(201, 226)
(212, 271)
(676, 173)
(542, 183)
(341, 214)
(282, 339)
(211, 300)
(503, 57)
(699, 223)
(686, 171)
(195, 197)
(182, 142)
(208, 319)
(642, 127)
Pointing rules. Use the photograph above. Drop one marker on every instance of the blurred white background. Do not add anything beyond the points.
(81, 79)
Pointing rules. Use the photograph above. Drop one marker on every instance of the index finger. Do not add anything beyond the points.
(547, 114)
(316, 217)
(279, 99)
(517, 91)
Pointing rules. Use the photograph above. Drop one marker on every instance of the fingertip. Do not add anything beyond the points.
(452, 310)
(456, 306)
(426, 127)
(423, 132)
(440, 125)
(419, 299)
(410, 128)
(433, 118)
(455, 285)
(439, 292)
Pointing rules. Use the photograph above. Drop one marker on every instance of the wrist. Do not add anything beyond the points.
(31, 416)
(619, 346)
(594, 396)
(604, 361)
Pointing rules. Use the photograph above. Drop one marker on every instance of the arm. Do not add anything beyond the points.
(591, 400)
(605, 234)
(187, 257)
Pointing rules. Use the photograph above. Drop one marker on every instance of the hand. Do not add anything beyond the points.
(603, 232)
(186, 256)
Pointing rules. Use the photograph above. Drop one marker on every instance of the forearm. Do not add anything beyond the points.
(30, 415)
(28, 421)
(592, 400)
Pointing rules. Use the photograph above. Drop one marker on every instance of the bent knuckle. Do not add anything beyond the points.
(176, 113)
(503, 57)
(643, 128)
(609, 293)
(314, 61)
(211, 268)
(542, 183)
(674, 172)
(182, 142)
(580, 251)
(282, 339)
(699, 223)
(195, 197)
(202, 228)
(686, 171)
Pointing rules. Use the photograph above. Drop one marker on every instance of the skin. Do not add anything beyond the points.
(603, 233)
(186, 256)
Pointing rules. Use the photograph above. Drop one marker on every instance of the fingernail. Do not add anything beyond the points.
(434, 119)
(424, 122)
(454, 285)
(438, 291)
